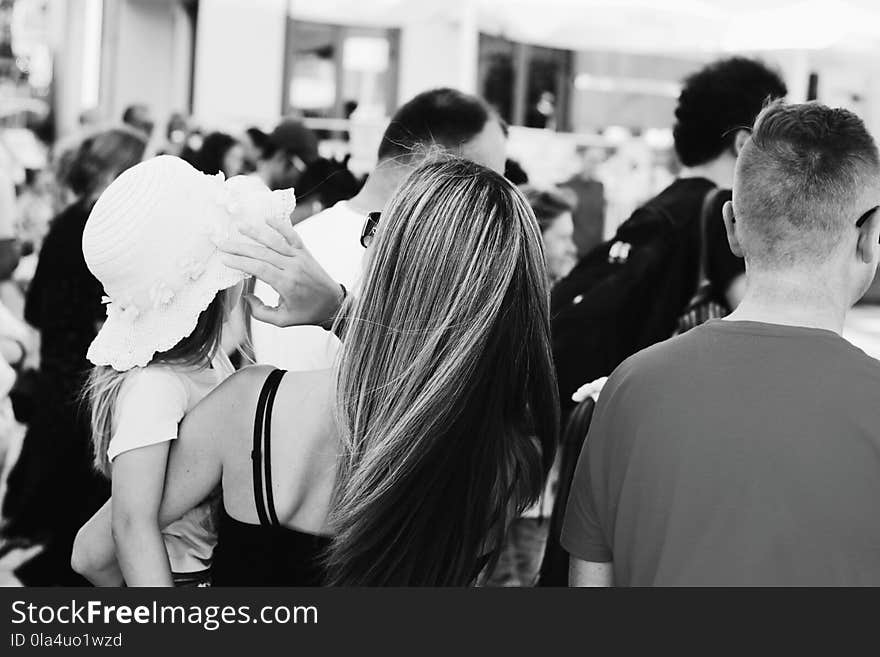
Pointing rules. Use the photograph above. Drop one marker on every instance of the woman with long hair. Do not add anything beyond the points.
(53, 489)
(404, 464)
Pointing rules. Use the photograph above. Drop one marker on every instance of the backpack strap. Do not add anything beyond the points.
(705, 211)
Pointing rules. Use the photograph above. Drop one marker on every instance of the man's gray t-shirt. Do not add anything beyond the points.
(740, 453)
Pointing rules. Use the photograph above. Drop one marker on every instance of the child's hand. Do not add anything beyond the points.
(307, 294)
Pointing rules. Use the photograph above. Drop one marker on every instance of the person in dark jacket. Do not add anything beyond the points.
(660, 244)
(53, 489)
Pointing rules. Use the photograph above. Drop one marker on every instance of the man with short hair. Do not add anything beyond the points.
(441, 118)
(747, 451)
(286, 153)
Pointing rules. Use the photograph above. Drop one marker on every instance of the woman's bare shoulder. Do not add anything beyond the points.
(227, 413)
(229, 408)
(305, 394)
(304, 406)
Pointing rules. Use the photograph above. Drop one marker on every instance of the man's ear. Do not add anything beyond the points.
(869, 238)
(739, 139)
(730, 225)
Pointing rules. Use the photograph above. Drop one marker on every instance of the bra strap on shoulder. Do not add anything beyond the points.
(275, 377)
(269, 388)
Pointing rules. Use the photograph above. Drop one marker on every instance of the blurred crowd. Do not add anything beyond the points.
(43, 272)
(434, 324)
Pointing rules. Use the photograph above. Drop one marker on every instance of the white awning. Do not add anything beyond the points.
(650, 26)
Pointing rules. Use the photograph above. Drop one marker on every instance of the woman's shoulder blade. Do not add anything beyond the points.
(228, 411)
(230, 407)
(239, 389)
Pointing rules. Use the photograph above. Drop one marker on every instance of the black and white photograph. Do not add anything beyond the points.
(551, 294)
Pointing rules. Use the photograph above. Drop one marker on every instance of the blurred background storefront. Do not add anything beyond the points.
(566, 75)
(562, 73)
(588, 87)
(541, 64)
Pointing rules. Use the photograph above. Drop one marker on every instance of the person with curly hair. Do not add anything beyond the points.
(716, 109)
(672, 233)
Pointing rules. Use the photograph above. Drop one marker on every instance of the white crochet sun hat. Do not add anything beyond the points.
(151, 240)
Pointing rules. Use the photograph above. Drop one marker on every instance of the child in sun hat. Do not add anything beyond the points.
(151, 242)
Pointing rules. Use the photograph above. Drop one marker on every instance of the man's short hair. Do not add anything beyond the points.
(442, 117)
(718, 100)
(800, 180)
(134, 112)
(292, 137)
(138, 116)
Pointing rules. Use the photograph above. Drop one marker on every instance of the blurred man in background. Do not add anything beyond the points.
(285, 153)
(589, 211)
(139, 117)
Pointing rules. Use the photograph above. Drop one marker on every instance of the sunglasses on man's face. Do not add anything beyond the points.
(368, 232)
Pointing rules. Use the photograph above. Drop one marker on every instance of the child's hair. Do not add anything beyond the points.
(104, 383)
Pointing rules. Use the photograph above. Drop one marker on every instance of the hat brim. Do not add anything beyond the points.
(126, 341)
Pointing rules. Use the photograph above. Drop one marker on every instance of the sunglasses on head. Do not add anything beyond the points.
(368, 232)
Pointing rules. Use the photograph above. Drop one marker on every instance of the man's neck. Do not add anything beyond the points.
(789, 300)
(719, 171)
(378, 188)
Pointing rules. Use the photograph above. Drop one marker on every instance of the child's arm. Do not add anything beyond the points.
(94, 552)
(195, 464)
(138, 483)
(193, 473)
(222, 423)
(147, 410)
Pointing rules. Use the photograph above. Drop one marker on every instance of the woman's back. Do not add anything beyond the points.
(441, 419)
(278, 451)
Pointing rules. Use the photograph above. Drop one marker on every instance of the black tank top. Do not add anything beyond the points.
(267, 554)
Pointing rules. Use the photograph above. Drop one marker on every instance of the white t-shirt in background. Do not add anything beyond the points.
(334, 238)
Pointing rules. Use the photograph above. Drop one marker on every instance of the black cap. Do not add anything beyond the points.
(294, 138)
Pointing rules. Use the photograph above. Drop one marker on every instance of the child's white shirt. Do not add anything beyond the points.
(151, 404)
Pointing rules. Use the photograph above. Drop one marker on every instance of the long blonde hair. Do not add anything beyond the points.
(446, 391)
(104, 383)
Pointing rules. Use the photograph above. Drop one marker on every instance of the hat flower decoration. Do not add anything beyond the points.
(151, 240)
